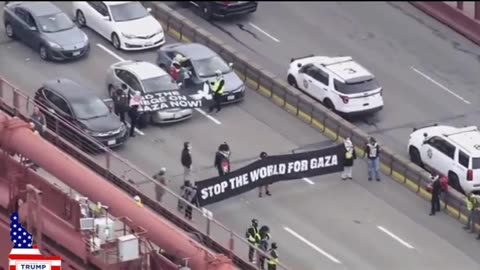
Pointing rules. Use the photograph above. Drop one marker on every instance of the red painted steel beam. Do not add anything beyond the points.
(16, 136)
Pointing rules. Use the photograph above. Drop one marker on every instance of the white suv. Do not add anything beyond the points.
(340, 83)
(449, 151)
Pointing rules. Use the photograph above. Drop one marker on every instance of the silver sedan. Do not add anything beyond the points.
(146, 78)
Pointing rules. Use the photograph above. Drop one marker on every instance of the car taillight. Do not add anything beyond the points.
(344, 99)
(469, 175)
(225, 3)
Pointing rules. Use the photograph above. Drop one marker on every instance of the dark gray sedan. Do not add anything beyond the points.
(45, 28)
(202, 63)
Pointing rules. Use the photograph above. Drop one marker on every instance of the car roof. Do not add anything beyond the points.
(143, 70)
(467, 138)
(68, 89)
(343, 67)
(114, 3)
(38, 9)
(194, 51)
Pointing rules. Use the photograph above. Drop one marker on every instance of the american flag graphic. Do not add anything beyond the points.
(19, 236)
(25, 255)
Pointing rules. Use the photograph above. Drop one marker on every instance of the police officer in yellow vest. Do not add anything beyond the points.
(273, 260)
(253, 238)
(472, 203)
(218, 87)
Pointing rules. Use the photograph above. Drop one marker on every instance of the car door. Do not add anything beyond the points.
(96, 18)
(462, 165)
(303, 79)
(34, 33)
(20, 25)
(58, 105)
(130, 80)
(319, 83)
(438, 154)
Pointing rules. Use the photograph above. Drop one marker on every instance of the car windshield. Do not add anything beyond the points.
(355, 88)
(128, 12)
(161, 83)
(89, 108)
(475, 163)
(207, 67)
(55, 23)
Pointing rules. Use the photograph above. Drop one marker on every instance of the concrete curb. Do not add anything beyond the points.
(453, 18)
(306, 109)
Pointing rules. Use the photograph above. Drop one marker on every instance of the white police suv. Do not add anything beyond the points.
(340, 83)
(450, 151)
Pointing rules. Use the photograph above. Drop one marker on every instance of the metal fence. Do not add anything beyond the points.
(306, 109)
(129, 178)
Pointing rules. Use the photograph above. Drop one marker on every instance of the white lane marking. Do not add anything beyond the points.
(107, 100)
(308, 181)
(121, 59)
(208, 116)
(310, 244)
(395, 237)
(440, 85)
(264, 32)
(107, 50)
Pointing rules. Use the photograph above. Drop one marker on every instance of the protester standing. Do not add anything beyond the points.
(372, 152)
(253, 238)
(190, 195)
(472, 203)
(161, 183)
(218, 87)
(133, 112)
(222, 159)
(260, 188)
(186, 160)
(121, 102)
(350, 156)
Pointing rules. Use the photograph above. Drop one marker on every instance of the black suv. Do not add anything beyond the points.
(81, 112)
(222, 9)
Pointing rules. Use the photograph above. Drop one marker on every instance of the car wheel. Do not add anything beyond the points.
(454, 182)
(80, 18)
(9, 30)
(415, 156)
(291, 80)
(329, 105)
(116, 41)
(43, 52)
(206, 12)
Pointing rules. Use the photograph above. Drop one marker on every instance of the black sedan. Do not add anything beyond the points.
(222, 9)
(45, 28)
(85, 118)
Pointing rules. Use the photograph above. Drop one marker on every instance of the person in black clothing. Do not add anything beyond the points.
(253, 239)
(260, 188)
(436, 190)
(186, 160)
(222, 159)
(121, 102)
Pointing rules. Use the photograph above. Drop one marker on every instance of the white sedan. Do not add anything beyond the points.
(128, 25)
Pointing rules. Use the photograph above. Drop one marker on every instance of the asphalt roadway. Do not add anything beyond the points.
(428, 71)
(320, 223)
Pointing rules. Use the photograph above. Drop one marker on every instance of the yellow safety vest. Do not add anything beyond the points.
(253, 239)
(273, 260)
(349, 154)
(216, 87)
(471, 203)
